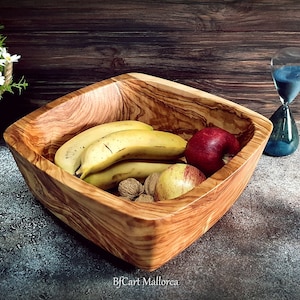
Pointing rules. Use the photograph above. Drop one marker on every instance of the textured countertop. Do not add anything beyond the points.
(253, 252)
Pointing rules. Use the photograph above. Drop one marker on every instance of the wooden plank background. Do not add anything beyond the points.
(222, 47)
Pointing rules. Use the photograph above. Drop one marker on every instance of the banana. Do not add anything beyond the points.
(68, 155)
(130, 144)
(113, 175)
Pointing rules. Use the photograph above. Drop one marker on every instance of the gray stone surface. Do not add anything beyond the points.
(253, 252)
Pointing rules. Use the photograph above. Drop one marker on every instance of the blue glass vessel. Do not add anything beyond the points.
(284, 139)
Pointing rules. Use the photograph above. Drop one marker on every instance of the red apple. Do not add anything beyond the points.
(210, 149)
(177, 180)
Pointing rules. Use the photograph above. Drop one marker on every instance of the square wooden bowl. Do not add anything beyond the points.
(146, 235)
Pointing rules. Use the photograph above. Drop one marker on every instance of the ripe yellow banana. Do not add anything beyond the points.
(68, 155)
(113, 175)
(130, 144)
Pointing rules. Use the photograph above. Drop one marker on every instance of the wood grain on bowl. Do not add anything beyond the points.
(146, 235)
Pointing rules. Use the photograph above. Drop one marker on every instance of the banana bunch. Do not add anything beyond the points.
(128, 145)
(106, 154)
(69, 154)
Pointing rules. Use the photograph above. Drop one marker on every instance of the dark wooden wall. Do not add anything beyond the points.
(223, 47)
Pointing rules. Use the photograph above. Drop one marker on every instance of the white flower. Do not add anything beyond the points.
(2, 79)
(2, 61)
(9, 58)
(6, 61)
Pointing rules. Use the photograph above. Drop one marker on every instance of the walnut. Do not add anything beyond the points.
(144, 198)
(130, 188)
(150, 183)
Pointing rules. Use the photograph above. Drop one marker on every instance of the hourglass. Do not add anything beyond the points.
(285, 66)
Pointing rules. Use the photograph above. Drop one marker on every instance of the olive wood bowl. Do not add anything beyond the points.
(146, 235)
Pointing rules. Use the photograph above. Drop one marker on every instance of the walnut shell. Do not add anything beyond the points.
(150, 183)
(144, 198)
(130, 188)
